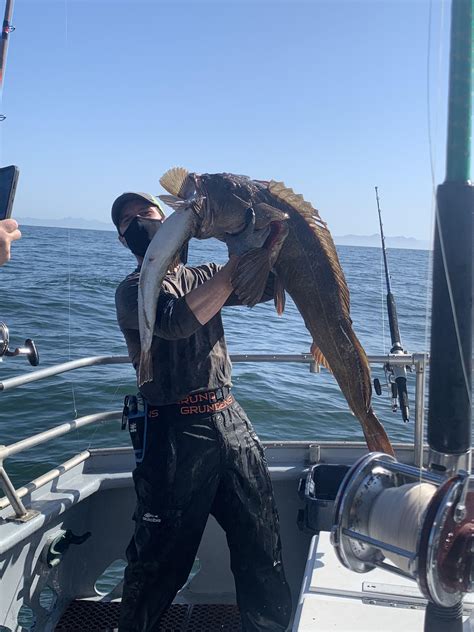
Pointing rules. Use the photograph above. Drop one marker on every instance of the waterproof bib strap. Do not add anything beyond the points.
(135, 416)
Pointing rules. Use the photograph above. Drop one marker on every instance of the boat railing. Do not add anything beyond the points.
(417, 362)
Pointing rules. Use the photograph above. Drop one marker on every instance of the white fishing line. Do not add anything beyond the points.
(66, 23)
(382, 280)
(432, 147)
(432, 159)
(73, 392)
(453, 309)
(69, 315)
(396, 516)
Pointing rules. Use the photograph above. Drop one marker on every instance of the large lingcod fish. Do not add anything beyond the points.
(299, 250)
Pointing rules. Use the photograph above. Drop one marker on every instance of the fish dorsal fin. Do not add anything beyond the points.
(319, 358)
(319, 228)
(174, 179)
(297, 201)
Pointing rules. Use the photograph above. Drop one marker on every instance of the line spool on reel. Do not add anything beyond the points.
(410, 522)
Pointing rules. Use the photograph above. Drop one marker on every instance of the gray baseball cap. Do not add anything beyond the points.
(122, 200)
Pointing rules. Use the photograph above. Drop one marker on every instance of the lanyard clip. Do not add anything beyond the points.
(125, 412)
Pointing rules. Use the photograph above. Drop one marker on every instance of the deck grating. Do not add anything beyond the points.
(94, 616)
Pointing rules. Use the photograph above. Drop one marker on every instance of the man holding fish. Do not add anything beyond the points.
(196, 450)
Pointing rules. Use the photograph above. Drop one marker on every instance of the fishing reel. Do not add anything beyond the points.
(29, 349)
(395, 377)
(410, 522)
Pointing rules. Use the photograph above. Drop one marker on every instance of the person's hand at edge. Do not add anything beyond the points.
(8, 232)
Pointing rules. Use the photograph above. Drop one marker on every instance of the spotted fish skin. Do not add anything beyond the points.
(309, 269)
(302, 253)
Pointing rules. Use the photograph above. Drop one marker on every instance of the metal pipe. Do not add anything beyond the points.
(304, 358)
(11, 494)
(419, 411)
(46, 478)
(29, 442)
(34, 376)
(413, 472)
(355, 535)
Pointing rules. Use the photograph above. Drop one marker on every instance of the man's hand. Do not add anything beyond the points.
(248, 238)
(8, 232)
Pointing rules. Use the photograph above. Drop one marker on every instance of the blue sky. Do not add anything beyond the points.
(330, 97)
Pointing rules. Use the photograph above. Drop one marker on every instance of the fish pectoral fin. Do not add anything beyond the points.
(319, 357)
(250, 277)
(271, 213)
(280, 297)
(176, 203)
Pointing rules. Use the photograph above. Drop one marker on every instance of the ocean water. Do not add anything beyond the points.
(59, 290)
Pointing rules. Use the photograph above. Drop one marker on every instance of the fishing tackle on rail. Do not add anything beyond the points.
(396, 374)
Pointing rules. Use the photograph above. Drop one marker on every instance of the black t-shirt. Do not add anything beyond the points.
(187, 357)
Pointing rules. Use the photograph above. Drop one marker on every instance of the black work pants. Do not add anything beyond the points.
(192, 466)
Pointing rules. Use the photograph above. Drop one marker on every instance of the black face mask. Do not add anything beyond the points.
(139, 234)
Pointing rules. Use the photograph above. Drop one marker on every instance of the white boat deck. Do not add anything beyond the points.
(97, 495)
(334, 598)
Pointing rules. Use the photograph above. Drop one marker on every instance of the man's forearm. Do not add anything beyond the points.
(207, 299)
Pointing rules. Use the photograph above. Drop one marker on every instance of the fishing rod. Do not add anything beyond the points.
(426, 528)
(8, 180)
(396, 374)
(7, 28)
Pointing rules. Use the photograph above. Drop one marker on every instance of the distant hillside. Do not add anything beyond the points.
(341, 240)
(374, 241)
(66, 222)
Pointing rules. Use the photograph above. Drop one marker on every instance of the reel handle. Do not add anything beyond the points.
(29, 349)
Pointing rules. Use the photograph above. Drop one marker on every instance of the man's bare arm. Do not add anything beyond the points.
(207, 299)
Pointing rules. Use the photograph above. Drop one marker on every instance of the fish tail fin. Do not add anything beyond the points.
(375, 435)
(145, 370)
(355, 383)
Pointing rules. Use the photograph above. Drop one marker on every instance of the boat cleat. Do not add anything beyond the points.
(59, 544)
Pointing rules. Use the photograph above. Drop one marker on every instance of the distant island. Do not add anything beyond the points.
(65, 222)
(341, 240)
(374, 241)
